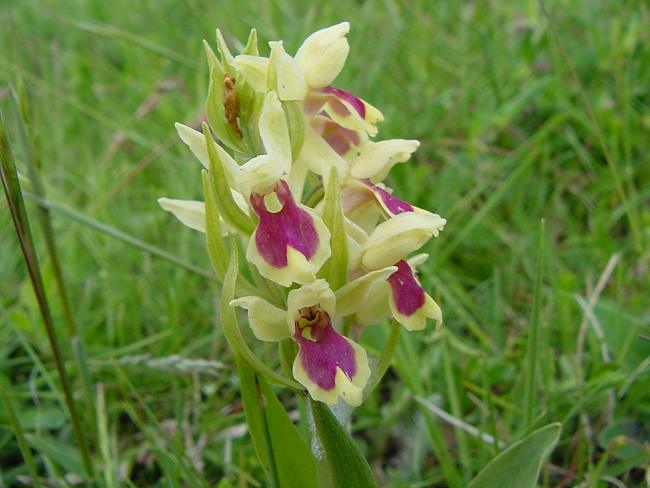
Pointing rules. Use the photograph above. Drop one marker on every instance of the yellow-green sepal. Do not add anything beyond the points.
(224, 53)
(225, 203)
(217, 251)
(251, 45)
(335, 268)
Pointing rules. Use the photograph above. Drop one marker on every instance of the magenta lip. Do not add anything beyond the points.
(329, 350)
(408, 295)
(291, 226)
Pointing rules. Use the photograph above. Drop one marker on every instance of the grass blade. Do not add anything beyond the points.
(21, 223)
(120, 235)
(43, 213)
(532, 347)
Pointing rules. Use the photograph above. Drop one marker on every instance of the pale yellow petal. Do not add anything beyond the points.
(290, 80)
(253, 69)
(268, 323)
(376, 159)
(190, 212)
(317, 292)
(323, 54)
(195, 140)
(275, 133)
(418, 320)
(398, 237)
(355, 295)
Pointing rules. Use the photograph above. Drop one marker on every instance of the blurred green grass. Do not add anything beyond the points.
(509, 136)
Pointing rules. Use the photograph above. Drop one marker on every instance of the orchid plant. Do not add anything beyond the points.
(296, 178)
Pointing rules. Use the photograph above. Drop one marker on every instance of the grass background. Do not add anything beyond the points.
(521, 117)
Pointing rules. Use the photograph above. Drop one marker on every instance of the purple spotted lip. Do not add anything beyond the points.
(326, 351)
(291, 226)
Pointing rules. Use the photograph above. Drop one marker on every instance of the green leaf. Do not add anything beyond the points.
(335, 269)
(281, 450)
(519, 465)
(251, 103)
(231, 328)
(295, 465)
(348, 466)
(65, 455)
(224, 200)
(254, 415)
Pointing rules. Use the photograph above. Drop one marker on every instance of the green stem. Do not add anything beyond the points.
(385, 359)
(21, 223)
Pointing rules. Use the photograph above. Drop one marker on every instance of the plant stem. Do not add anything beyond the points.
(385, 359)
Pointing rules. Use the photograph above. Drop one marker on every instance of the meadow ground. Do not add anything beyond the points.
(521, 116)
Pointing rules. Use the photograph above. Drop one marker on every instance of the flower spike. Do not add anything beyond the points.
(293, 170)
